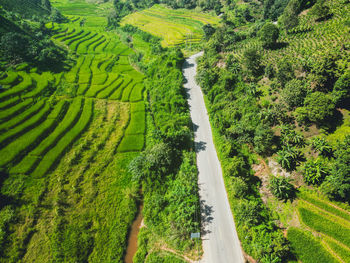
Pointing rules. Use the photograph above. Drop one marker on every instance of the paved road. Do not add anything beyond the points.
(220, 240)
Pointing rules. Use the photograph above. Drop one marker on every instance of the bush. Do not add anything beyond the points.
(319, 107)
(341, 91)
(320, 10)
(294, 93)
(281, 188)
(269, 35)
(239, 187)
(337, 184)
(315, 171)
(252, 62)
(285, 72)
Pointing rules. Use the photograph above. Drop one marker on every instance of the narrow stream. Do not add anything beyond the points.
(132, 242)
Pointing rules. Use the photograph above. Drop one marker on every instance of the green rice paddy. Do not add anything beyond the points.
(175, 27)
(65, 143)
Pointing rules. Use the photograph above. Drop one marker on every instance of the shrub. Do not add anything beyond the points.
(252, 61)
(281, 188)
(315, 171)
(239, 187)
(294, 93)
(337, 184)
(268, 35)
(319, 106)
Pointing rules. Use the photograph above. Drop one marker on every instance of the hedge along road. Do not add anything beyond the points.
(219, 235)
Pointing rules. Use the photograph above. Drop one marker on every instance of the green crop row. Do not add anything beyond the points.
(51, 158)
(136, 93)
(323, 225)
(17, 109)
(19, 88)
(73, 35)
(127, 91)
(117, 95)
(132, 143)
(11, 78)
(341, 251)
(65, 33)
(42, 83)
(137, 106)
(325, 205)
(18, 148)
(307, 248)
(110, 89)
(9, 103)
(45, 145)
(25, 126)
(72, 75)
(22, 117)
(84, 47)
(76, 45)
(71, 41)
(137, 124)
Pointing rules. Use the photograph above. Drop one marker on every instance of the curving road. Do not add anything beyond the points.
(219, 236)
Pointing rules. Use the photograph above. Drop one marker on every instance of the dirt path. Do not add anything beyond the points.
(219, 235)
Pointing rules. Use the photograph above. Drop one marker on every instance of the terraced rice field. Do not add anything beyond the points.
(175, 27)
(65, 142)
(326, 234)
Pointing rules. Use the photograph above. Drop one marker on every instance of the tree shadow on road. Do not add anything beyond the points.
(200, 146)
(206, 217)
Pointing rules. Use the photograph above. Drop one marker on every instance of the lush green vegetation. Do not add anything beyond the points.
(61, 135)
(273, 94)
(307, 248)
(175, 27)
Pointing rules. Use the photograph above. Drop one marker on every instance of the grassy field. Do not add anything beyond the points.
(66, 140)
(175, 27)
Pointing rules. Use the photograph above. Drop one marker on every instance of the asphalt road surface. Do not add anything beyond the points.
(219, 235)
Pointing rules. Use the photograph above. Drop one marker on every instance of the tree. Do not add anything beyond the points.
(281, 187)
(14, 46)
(285, 71)
(289, 19)
(294, 93)
(57, 17)
(252, 61)
(315, 171)
(288, 157)
(290, 137)
(320, 145)
(341, 90)
(319, 107)
(209, 30)
(320, 10)
(268, 35)
(337, 184)
(263, 139)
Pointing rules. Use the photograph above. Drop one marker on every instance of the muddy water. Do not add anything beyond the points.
(132, 242)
